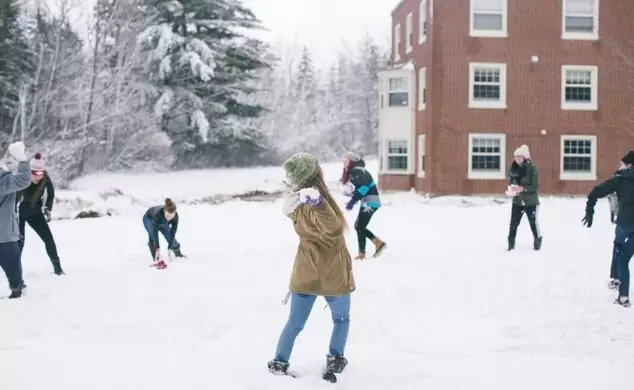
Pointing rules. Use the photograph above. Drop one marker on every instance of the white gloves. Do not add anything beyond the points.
(16, 150)
(306, 195)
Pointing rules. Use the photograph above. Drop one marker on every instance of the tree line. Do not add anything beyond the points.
(160, 84)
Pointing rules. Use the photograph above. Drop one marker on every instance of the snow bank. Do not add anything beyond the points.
(118, 193)
(122, 194)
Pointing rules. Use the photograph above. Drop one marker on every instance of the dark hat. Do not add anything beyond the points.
(628, 158)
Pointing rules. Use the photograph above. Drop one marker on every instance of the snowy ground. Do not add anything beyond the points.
(445, 307)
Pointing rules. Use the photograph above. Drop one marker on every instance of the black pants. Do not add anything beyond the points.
(516, 217)
(361, 226)
(10, 263)
(39, 224)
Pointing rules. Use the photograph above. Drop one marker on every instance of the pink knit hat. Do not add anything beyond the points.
(37, 163)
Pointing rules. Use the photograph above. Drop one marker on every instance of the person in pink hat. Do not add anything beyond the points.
(37, 212)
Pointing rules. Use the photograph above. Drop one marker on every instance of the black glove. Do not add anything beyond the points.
(587, 220)
(47, 214)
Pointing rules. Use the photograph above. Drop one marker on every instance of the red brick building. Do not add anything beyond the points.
(472, 80)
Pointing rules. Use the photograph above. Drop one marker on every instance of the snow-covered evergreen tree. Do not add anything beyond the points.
(202, 64)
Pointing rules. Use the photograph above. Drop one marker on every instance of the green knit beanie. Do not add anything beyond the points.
(301, 168)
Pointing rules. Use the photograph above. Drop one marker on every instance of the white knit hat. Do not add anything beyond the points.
(522, 151)
(37, 163)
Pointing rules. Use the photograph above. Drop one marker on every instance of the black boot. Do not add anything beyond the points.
(511, 243)
(623, 301)
(16, 292)
(277, 367)
(336, 364)
(537, 243)
(178, 253)
(57, 267)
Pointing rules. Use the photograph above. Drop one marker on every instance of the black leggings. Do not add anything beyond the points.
(516, 217)
(361, 226)
(39, 224)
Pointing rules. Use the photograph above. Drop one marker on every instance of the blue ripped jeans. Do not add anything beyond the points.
(301, 306)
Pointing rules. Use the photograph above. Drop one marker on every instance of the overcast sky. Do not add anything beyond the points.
(321, 25)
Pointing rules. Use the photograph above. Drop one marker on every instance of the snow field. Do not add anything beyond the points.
(445, 307)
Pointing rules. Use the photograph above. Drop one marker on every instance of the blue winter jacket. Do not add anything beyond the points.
(365, 188)
(10, 184)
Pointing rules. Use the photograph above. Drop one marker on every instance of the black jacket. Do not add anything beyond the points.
(526, 176)
(156, 215)
(31, 199)
(365, 188)
(623, 184)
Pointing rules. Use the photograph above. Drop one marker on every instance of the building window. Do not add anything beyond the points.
(397, 156)
(421, 155)
(486, 156)
(487, 85)
(409, 37)
(422, 20)
(580, 19)
(488, 18)
(579, 89)
(422, 88)
(397, 42)
(578, 157)
(398, 92)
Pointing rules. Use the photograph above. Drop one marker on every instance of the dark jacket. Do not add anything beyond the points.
(526, 176)
(623, 184)
(365, 188)
(156, 215)
(31, 199)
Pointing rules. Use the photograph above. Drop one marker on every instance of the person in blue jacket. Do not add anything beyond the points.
(623, 184)
(162, 219)
(360, 186)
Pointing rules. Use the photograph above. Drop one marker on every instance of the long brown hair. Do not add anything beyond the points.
(39, 190)
(170, 207)
(321, 186)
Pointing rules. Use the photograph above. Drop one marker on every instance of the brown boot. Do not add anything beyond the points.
(379, 245)
(360, 256)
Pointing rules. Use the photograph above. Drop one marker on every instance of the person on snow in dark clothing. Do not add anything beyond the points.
(524, 187)
(162, 219)
(360, 186)
(623, 184)
(37, 213)
(10, 185)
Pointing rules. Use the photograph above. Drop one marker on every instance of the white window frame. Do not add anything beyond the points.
(422, 89)
(380, 152)
(421, 156)
(397, 42)
(593, 105)
(572, 176)
(501, 104)
(387, 155)
(409, 33)
(501, 174)
(591, 36)
(423, 24)
(406, 89)
(489, 33)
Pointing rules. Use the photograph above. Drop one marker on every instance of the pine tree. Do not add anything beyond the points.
(16, 66)
(203, 66)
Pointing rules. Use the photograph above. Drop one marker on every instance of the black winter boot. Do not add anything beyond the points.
(178, 253)
(537, 243)
(336, 364)
(277, 367)
(16, 292)
(57, 267)
(511, 243)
